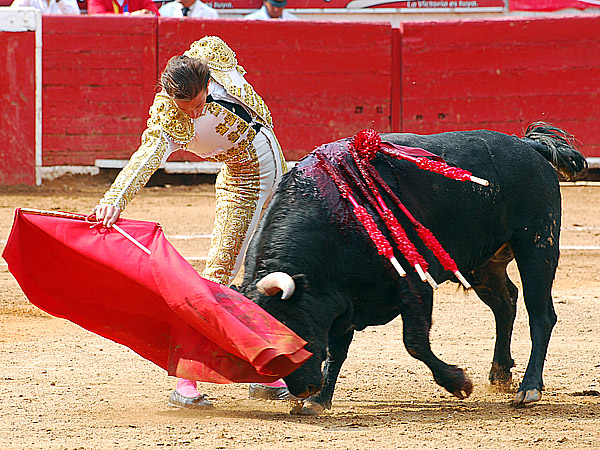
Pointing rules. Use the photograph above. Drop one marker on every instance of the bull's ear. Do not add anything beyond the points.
(301, 284)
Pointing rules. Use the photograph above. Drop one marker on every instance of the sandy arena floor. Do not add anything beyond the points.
(62, 387)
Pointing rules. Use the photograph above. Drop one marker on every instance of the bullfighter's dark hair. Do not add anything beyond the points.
(184, 78)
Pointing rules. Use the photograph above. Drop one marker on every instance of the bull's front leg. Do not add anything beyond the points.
(337, 352)
(416, 320)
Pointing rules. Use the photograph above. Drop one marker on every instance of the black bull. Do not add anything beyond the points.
(342, 284)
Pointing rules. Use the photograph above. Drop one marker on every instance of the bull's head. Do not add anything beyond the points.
(290, 300)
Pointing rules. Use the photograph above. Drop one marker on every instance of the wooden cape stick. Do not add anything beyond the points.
(66, 215)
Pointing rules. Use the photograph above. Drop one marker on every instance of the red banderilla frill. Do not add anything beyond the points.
(364, 147)
(404, 244)
(383, 246)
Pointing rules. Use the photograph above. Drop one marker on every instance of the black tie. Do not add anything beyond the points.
(185, 11)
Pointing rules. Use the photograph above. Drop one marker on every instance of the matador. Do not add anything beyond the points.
(228, 122)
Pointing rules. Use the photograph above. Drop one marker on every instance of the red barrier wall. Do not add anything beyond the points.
(321, 80)
(503, 74)
(17, 111)
(99, 76)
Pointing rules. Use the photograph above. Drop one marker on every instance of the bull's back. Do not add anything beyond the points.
(473, 221)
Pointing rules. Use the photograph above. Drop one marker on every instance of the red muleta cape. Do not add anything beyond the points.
(157, 304)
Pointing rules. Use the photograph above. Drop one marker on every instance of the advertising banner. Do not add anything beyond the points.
(362, 4)
(551, 5)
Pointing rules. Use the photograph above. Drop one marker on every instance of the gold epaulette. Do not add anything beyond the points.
(177, 124)
(214, 52)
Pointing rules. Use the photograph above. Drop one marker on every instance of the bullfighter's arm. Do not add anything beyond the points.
(168, 130)
(143, 163)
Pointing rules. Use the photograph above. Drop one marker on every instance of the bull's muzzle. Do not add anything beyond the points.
(277, 282)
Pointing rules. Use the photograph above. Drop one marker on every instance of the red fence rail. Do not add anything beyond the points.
(99, 77)
(18, 108)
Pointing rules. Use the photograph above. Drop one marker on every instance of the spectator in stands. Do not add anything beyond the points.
(188, 8)
(271, 9)
(56, 7)
(133, 7)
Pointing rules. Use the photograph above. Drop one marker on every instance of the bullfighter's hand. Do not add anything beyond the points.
(107, 214)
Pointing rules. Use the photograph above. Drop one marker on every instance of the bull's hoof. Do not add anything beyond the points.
(525, 397)
(465, 390)
(500, 375)
(455, 381)
(260, 391)
(307, 408)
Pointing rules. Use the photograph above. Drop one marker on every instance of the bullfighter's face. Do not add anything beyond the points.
(194, 107)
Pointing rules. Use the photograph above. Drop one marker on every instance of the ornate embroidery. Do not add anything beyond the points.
(242, 127)
(244, 144)
(165, 113)
(221, 60)
(134, 176)
(213, 108)
(221, 129)
(235, 129)
(214, 52)
(230, 118)
(284, 166)
(248, 96)
(237, 192)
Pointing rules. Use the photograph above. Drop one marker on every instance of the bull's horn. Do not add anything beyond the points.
(275, 282)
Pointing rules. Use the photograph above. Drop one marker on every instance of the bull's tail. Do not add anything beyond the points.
(558, 147)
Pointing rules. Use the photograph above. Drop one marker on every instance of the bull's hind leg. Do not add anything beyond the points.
(536, 254)
(416, 322)
(495, 289)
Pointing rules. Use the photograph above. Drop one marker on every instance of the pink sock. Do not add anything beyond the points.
(278, 383)
(187, 388)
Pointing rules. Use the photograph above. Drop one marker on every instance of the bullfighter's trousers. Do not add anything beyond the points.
(244, 188)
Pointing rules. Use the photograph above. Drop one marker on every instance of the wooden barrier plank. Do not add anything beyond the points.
(326, 80)
(503, 74)
(99, 77)
(469, 57)
(502, 30)
(90, 147)
(17, 114)
(506, 108)
(504, 82)
(322, 80)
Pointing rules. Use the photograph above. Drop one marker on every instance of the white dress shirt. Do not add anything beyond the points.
(54, 7)
(197, 10)
(262, 14)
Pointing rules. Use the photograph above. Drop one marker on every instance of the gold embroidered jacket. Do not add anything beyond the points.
(217, 135)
